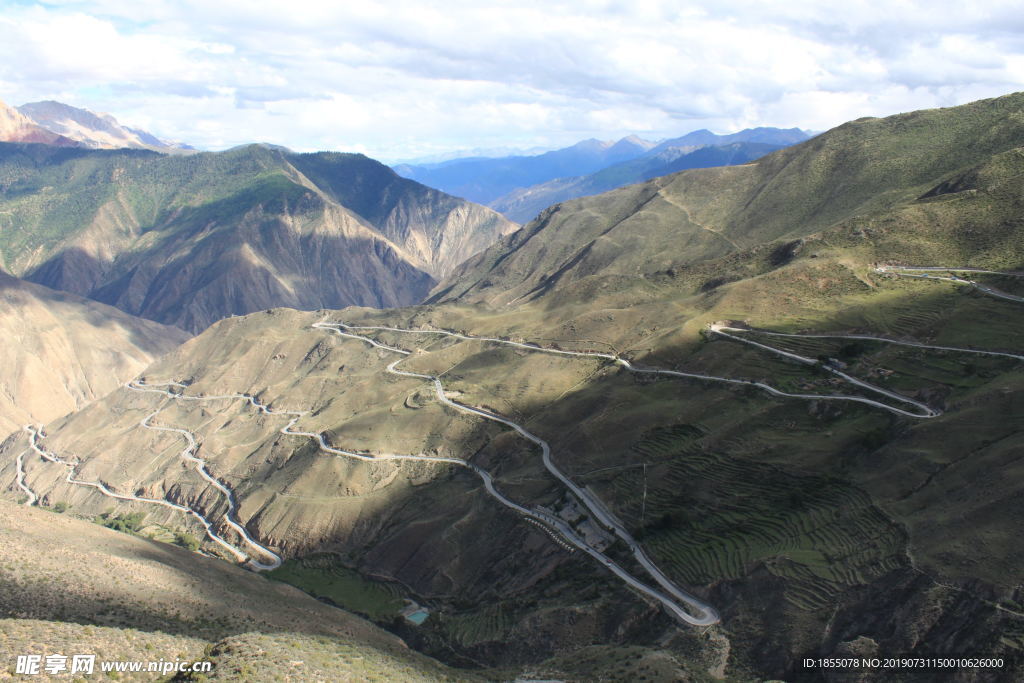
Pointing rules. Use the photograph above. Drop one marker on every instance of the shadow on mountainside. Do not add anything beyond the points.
(150, 337)
(192, 286)
(768, 507)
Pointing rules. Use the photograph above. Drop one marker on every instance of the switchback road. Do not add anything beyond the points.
(35, 433)
(706, 614)
(926, 411)
(908, 271)
(900, 342)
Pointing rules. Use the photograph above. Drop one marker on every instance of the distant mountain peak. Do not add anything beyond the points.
(631, 145)
(16, 127)
(92, 129)
(592, 144)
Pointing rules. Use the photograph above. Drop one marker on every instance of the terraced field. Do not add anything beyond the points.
(489, 624)
(709, 516)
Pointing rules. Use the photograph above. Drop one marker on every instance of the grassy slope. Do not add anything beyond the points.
(832, 525)
(866, 167)
(129, 598)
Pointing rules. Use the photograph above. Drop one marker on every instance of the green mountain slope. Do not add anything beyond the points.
(189, 240)
(860, 168)
(816, 525)
(525, 203)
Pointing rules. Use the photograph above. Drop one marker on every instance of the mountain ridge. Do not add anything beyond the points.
(95, 131)
(16, 127)
(187, 240)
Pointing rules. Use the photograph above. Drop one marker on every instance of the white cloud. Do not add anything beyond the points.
(401, 78)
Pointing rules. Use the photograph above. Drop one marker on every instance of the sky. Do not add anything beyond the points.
(405, 79)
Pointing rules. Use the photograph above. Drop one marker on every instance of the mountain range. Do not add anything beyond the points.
(483, 180)
(734, 384)
(525, 204)
(187, 240)
(55, 123)
(521, 186)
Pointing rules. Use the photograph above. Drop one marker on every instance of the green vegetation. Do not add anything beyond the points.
(323, 577)
(125, 522)
(488, 624)
(796, 518)
(186, 540)
(710, 517)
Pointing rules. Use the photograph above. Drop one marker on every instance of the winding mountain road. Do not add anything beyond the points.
(926, 411)
(628, 365)
(670, 597)
(707, 613)
(900, 342)
(907, 271)
(35, 433)
(683, 606)
(20, 464)
(189, 454)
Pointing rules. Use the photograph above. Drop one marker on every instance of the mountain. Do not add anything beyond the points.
(484, 180)
(16, 127)
(862, 167)
(580, 403)
(125, 597)
(475, 153)
(62, 351)
(97, 131)
(520, 187)
(187, 240)
(782, 137)
(524, 204)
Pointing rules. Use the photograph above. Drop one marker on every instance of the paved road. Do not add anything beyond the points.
(189, 454)
(899, 342)
(947, 269)
(20, 462)
(926, 411)
(671, 596)
(902, 271)
(708, 615)
(101, 487)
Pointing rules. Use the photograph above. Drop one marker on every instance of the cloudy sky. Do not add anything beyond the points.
(403, 79)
